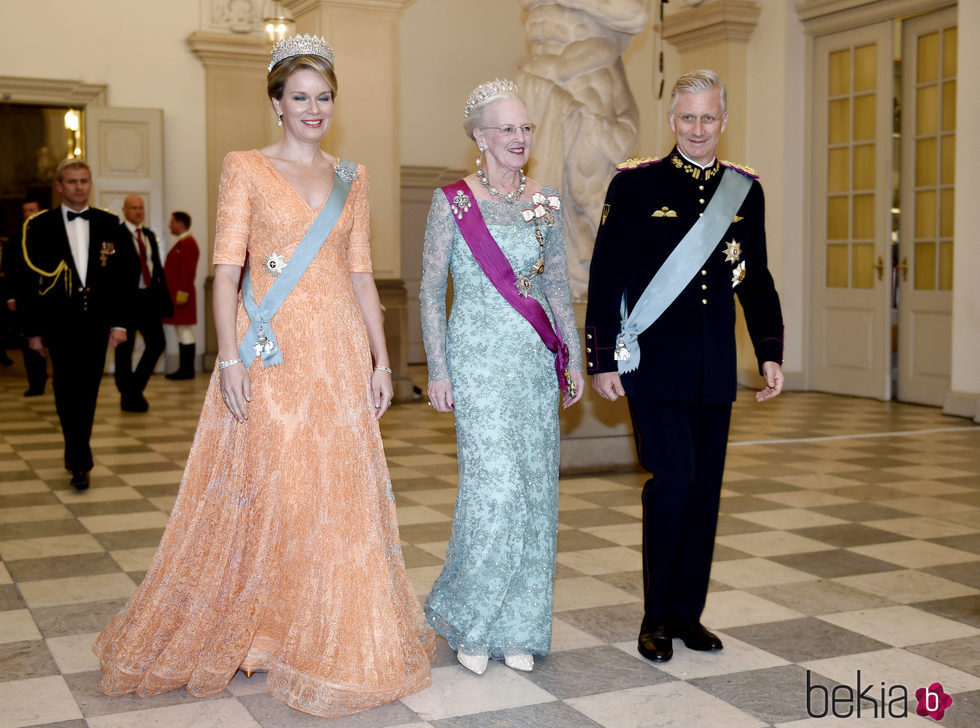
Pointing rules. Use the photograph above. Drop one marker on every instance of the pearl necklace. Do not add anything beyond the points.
(494, 192)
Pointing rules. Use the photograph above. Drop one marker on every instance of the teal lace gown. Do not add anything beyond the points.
(495, 592)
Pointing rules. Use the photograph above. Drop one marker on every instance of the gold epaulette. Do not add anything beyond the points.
(637, 162)
(747, 171)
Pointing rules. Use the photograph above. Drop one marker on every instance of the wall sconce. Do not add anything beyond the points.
(73, 126)
(277, 20)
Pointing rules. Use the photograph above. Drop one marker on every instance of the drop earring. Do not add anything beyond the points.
(479, 160)
(280, 120)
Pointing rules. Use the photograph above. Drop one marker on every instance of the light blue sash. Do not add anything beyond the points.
(679, 268)
(259, 339)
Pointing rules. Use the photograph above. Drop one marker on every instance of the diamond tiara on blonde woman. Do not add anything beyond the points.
(301, 45)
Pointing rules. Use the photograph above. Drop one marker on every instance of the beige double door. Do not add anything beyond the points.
(881, 245)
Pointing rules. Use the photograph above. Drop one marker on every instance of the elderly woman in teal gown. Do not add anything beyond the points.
(506, 358)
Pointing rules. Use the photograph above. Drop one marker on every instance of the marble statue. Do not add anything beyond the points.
(576, 90)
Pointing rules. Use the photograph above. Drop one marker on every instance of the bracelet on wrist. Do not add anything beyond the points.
(228, 363)
(383, 369)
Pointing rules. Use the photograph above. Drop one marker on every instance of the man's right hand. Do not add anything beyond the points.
(608, 385)
(36, 343)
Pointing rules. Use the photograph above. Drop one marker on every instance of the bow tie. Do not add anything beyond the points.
(84, 214)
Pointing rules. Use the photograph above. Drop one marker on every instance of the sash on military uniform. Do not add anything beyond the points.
(681, 266)
(259, 339)
(497, 268)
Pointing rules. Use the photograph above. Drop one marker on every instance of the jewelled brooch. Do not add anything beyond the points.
(275, 263)
(461, 204)
(346, 173)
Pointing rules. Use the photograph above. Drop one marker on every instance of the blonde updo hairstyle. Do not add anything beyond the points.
(276, 81)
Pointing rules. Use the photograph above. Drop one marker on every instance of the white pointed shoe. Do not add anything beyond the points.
(519, 661)
(473, 663)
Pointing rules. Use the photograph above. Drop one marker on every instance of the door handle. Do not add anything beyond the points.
(880, 267)
(904, 267)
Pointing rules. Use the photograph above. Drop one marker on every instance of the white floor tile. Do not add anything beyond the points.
(16, 625)
(457, 691)
(901, 625)
(227, 713)
(74, 653)
(23, 706)
(667, 705)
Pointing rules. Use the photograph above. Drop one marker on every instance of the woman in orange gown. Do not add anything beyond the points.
(282, 551)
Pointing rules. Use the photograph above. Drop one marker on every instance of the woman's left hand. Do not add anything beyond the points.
(579, 380)
(383, 391)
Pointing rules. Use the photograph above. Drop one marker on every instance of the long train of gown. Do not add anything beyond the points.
(495, 592)
(282, 551)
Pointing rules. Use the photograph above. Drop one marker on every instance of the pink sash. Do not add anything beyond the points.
(497, 268)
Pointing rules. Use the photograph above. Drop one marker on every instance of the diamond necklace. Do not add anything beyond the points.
(494, 192)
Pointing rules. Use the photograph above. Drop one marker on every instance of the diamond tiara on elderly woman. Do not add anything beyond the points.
(486, 91)
(301, 45)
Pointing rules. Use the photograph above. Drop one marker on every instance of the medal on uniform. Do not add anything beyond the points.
(732, 251)
(738, 274)
(621, 353)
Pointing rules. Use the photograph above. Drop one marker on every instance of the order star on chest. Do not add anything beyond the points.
(733, 252)
(275, 263)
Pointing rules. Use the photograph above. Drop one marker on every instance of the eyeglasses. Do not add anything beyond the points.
(706, 120)
(508, 130)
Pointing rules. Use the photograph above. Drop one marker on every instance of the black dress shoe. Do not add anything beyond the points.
(695, 636)
(134, 403)
(79, 479)
(653, 643)
(32, 392)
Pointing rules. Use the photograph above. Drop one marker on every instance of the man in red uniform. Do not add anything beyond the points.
(179, 270)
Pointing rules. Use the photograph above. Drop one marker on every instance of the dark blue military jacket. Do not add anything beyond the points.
(56, 299)
(688, 354)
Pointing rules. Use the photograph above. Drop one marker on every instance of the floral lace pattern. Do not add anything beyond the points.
(281, 552)
(495, 590)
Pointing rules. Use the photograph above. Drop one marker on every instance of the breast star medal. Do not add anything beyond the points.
(733, 252)
(275, 263)
(738, 274)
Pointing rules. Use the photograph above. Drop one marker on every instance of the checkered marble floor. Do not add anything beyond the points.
(849, 540)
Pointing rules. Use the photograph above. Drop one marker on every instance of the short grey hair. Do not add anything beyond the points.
(478, 116)
(694, 82)
(71, 163)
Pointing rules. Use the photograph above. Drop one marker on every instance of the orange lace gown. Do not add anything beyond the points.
(282, 551)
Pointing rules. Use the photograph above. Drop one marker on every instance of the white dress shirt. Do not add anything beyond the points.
(78, 239)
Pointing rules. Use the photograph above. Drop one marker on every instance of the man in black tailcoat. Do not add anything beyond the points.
(680, 393)
(149, 304)
(74, 303)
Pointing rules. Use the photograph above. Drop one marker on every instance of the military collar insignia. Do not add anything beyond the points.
(694, 170)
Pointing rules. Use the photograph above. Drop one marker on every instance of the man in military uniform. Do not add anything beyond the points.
(75, 289)
(660, 329)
